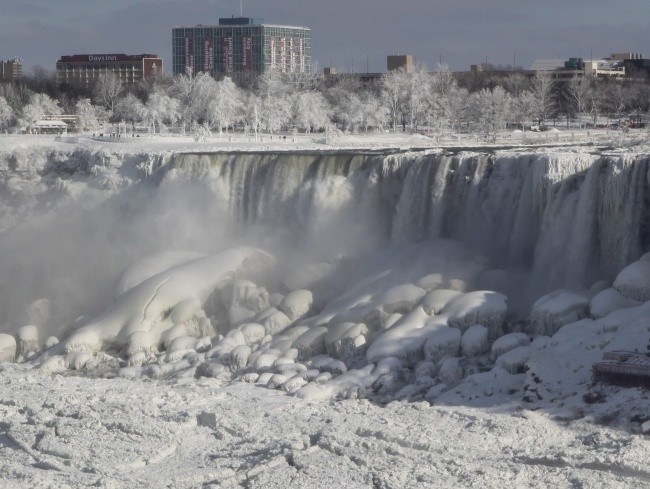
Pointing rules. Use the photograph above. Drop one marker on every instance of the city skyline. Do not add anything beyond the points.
(352, 36)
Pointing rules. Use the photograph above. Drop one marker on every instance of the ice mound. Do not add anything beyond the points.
(633, 281)
(148, 306)
(297, 304)
(481, 307)
(608, 301)
(436, 300)
(475, 341)
(556, 309)
(7, 348)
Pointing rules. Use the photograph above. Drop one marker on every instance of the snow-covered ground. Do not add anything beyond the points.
(298, 318)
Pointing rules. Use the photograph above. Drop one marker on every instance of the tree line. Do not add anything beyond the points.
(439, 101)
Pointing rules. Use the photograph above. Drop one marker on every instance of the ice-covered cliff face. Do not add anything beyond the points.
(564, 219)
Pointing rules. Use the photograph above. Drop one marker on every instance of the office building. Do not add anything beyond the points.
(11, 69)
(241, 46)
(400, 62)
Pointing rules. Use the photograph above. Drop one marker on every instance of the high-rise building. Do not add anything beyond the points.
(11, 69)
(240, 46)
(400, 62)
(85, 69)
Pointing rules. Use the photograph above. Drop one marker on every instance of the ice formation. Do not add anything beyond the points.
(450, 278)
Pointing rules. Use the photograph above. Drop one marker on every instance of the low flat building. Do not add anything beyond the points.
(86, 69)
(11, 69)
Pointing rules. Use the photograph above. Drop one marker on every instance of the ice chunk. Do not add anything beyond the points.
(311, 343)
(475, 341)
(401, 299)
(297, 304)
(508, 342)
(252, 332)
(514, 361)
(7, 348)
(276, 323)
(436, 300)
(441, 343)
(633, 281)
(481, 307)
(342, 339)
(556, 309)
(450, 371)
(51, 341)
(608, 301)
(27, 340)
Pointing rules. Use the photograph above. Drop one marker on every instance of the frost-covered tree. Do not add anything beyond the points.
(89, 115)
(276, 103)
(38, 106)
(542, 92)
(6, 113)
(225, 104)
(578, 93)
(129, 109)
(394, 89)
(310, 111)
(253, 113)
(108, 89)
(524, 107)
(159, 108)
(418, 91)
(193, 93)
(492, 109)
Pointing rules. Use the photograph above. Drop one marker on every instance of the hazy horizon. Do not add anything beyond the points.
(348, 35)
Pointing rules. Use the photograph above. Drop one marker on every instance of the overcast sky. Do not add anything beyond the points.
(344, 32)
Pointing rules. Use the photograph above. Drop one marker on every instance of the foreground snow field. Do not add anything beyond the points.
(72, 431)
(172, 316)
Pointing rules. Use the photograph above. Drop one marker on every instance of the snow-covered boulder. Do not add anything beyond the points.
(608, 301)
(450, 371)
(252, 332)
(441, 343)
(401, 299)
(311, 343)
(244, 300)
(50, 341)
(27, 340)
(633, 281)
(514, 361)
(141, 342)
(508, 342)
(480, 307)
(276, 323)
(344, 339)
(7, 348)
(556, 309)
(297, 304)
(474, 341)
(436, 300)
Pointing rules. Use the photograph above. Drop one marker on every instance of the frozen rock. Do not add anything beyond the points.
(514, 361)
(633, 281)
(404, 340)
(436, 300)
(276, 323)
(51, 341)
(645, 428)
(297, 304)
(401, 299)
(239, 356)
(328, 364)
(276, 381)
(150, 266)
(7, 348)
(450, 371)
(340, 340)
(141, 342)
(508, 342)
(172, 333)
(556, 309)
(252, 332)
(441, 343)
(427, 368)
(311, 343)
(481, 307)
(475, 341)
(264, 362)
(294, 333)
(76, 360)
(244, 300)
(264, 378)
(27, 340)
(608, 301)
(182, 343)
(435, 392)
(293, 384)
